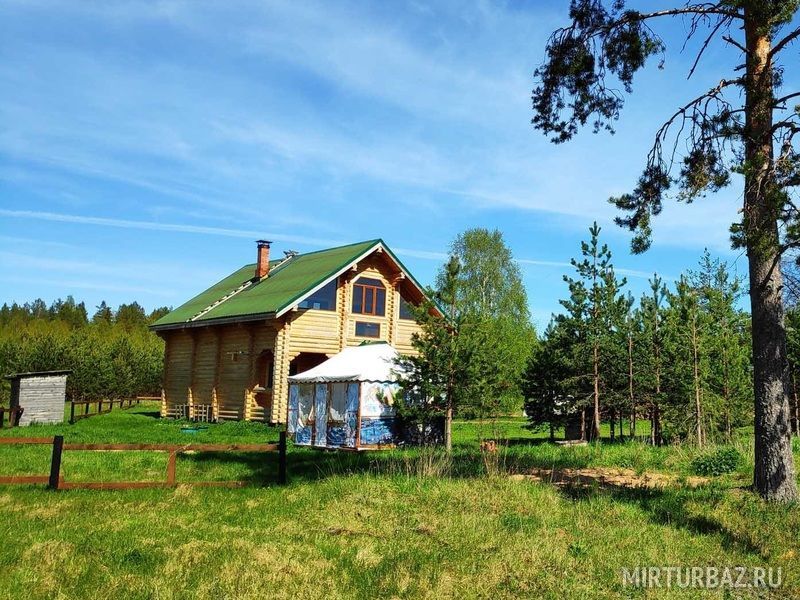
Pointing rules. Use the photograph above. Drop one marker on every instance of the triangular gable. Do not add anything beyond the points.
(379, 244)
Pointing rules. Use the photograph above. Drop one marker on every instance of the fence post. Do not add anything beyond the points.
(2, 416)
(55, 462)
(71, 412)
(171, 468)
(282, 458)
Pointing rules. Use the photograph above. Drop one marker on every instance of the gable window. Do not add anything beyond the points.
(405, 310)
(323, 299)
(369, 297)
(370, 330)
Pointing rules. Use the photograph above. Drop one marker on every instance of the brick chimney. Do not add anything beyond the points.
(262, 264)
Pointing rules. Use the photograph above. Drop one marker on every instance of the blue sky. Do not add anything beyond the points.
(145, 145)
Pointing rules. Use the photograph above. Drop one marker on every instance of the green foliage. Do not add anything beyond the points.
(490, 305)
(707, 352)
(589, 62)
(594, 325)
(572, 79)
(546, 405)
(722, 460)
(681, 358)
(113, 356)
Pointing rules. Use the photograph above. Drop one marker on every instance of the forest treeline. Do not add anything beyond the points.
(678, 356)
(111, 353)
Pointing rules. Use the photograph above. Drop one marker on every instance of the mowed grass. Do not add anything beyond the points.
(390, 524)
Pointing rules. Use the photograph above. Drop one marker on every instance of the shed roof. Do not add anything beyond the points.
(241, 296)
(38, 374)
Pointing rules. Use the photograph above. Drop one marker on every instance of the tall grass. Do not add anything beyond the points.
(398, 524)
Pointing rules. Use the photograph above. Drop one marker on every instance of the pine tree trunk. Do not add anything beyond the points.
(796, 406)
(697, 404)
(448, 429)
(612, 421)
(596, 419)
(583, 424)
(774, 474)
(631, 399)
(655, 421)
(726, 393)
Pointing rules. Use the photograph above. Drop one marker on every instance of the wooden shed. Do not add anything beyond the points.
(40, 394)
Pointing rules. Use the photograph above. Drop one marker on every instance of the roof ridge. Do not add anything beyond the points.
(373, 241)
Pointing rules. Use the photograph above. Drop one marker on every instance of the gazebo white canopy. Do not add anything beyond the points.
(347, 401)
(370, 362)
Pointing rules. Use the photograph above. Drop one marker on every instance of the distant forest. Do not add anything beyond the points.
(111, 353)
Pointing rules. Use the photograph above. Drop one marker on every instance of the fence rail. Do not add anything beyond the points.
(56, 481)
(73, 417)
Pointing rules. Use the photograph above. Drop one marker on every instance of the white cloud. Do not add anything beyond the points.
(434, 102)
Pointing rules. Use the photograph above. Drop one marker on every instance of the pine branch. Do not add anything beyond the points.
(784, 42)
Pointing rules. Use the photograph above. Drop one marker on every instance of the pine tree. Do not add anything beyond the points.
(443, 372)
(594, 308)
(543, 384)
(727, 344)
(103, 314)
(652, 311)
(742, 124)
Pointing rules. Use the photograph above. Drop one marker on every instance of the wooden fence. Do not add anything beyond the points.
(55, 480)
(14, 415)
(75, 416)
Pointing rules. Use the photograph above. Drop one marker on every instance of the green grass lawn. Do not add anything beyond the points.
(388, 524)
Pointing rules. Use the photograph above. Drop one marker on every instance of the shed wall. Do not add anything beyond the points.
(42, 399)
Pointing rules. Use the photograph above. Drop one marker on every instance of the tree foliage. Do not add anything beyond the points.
(114, 355)
(745, 124)
(679, 358)
(491, 304)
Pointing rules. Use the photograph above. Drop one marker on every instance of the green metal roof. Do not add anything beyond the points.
(286, 285)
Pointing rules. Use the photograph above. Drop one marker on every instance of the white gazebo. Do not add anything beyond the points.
(348, 401)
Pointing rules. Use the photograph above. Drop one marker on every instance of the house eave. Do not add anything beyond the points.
(213, 322)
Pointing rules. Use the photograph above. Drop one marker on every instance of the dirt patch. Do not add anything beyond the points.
(607, 478)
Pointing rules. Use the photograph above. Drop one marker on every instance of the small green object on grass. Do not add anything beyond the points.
(197, 429)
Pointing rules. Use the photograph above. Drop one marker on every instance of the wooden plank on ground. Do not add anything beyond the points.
(113, 485)
(25, 440)
(24, 479)
(174, 447)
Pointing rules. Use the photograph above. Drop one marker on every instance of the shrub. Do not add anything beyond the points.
(717, 462)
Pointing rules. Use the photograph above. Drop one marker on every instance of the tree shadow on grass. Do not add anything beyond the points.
(523, 441)
(665, 506)
(153, 414)
(670, 506)
(302, 464)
